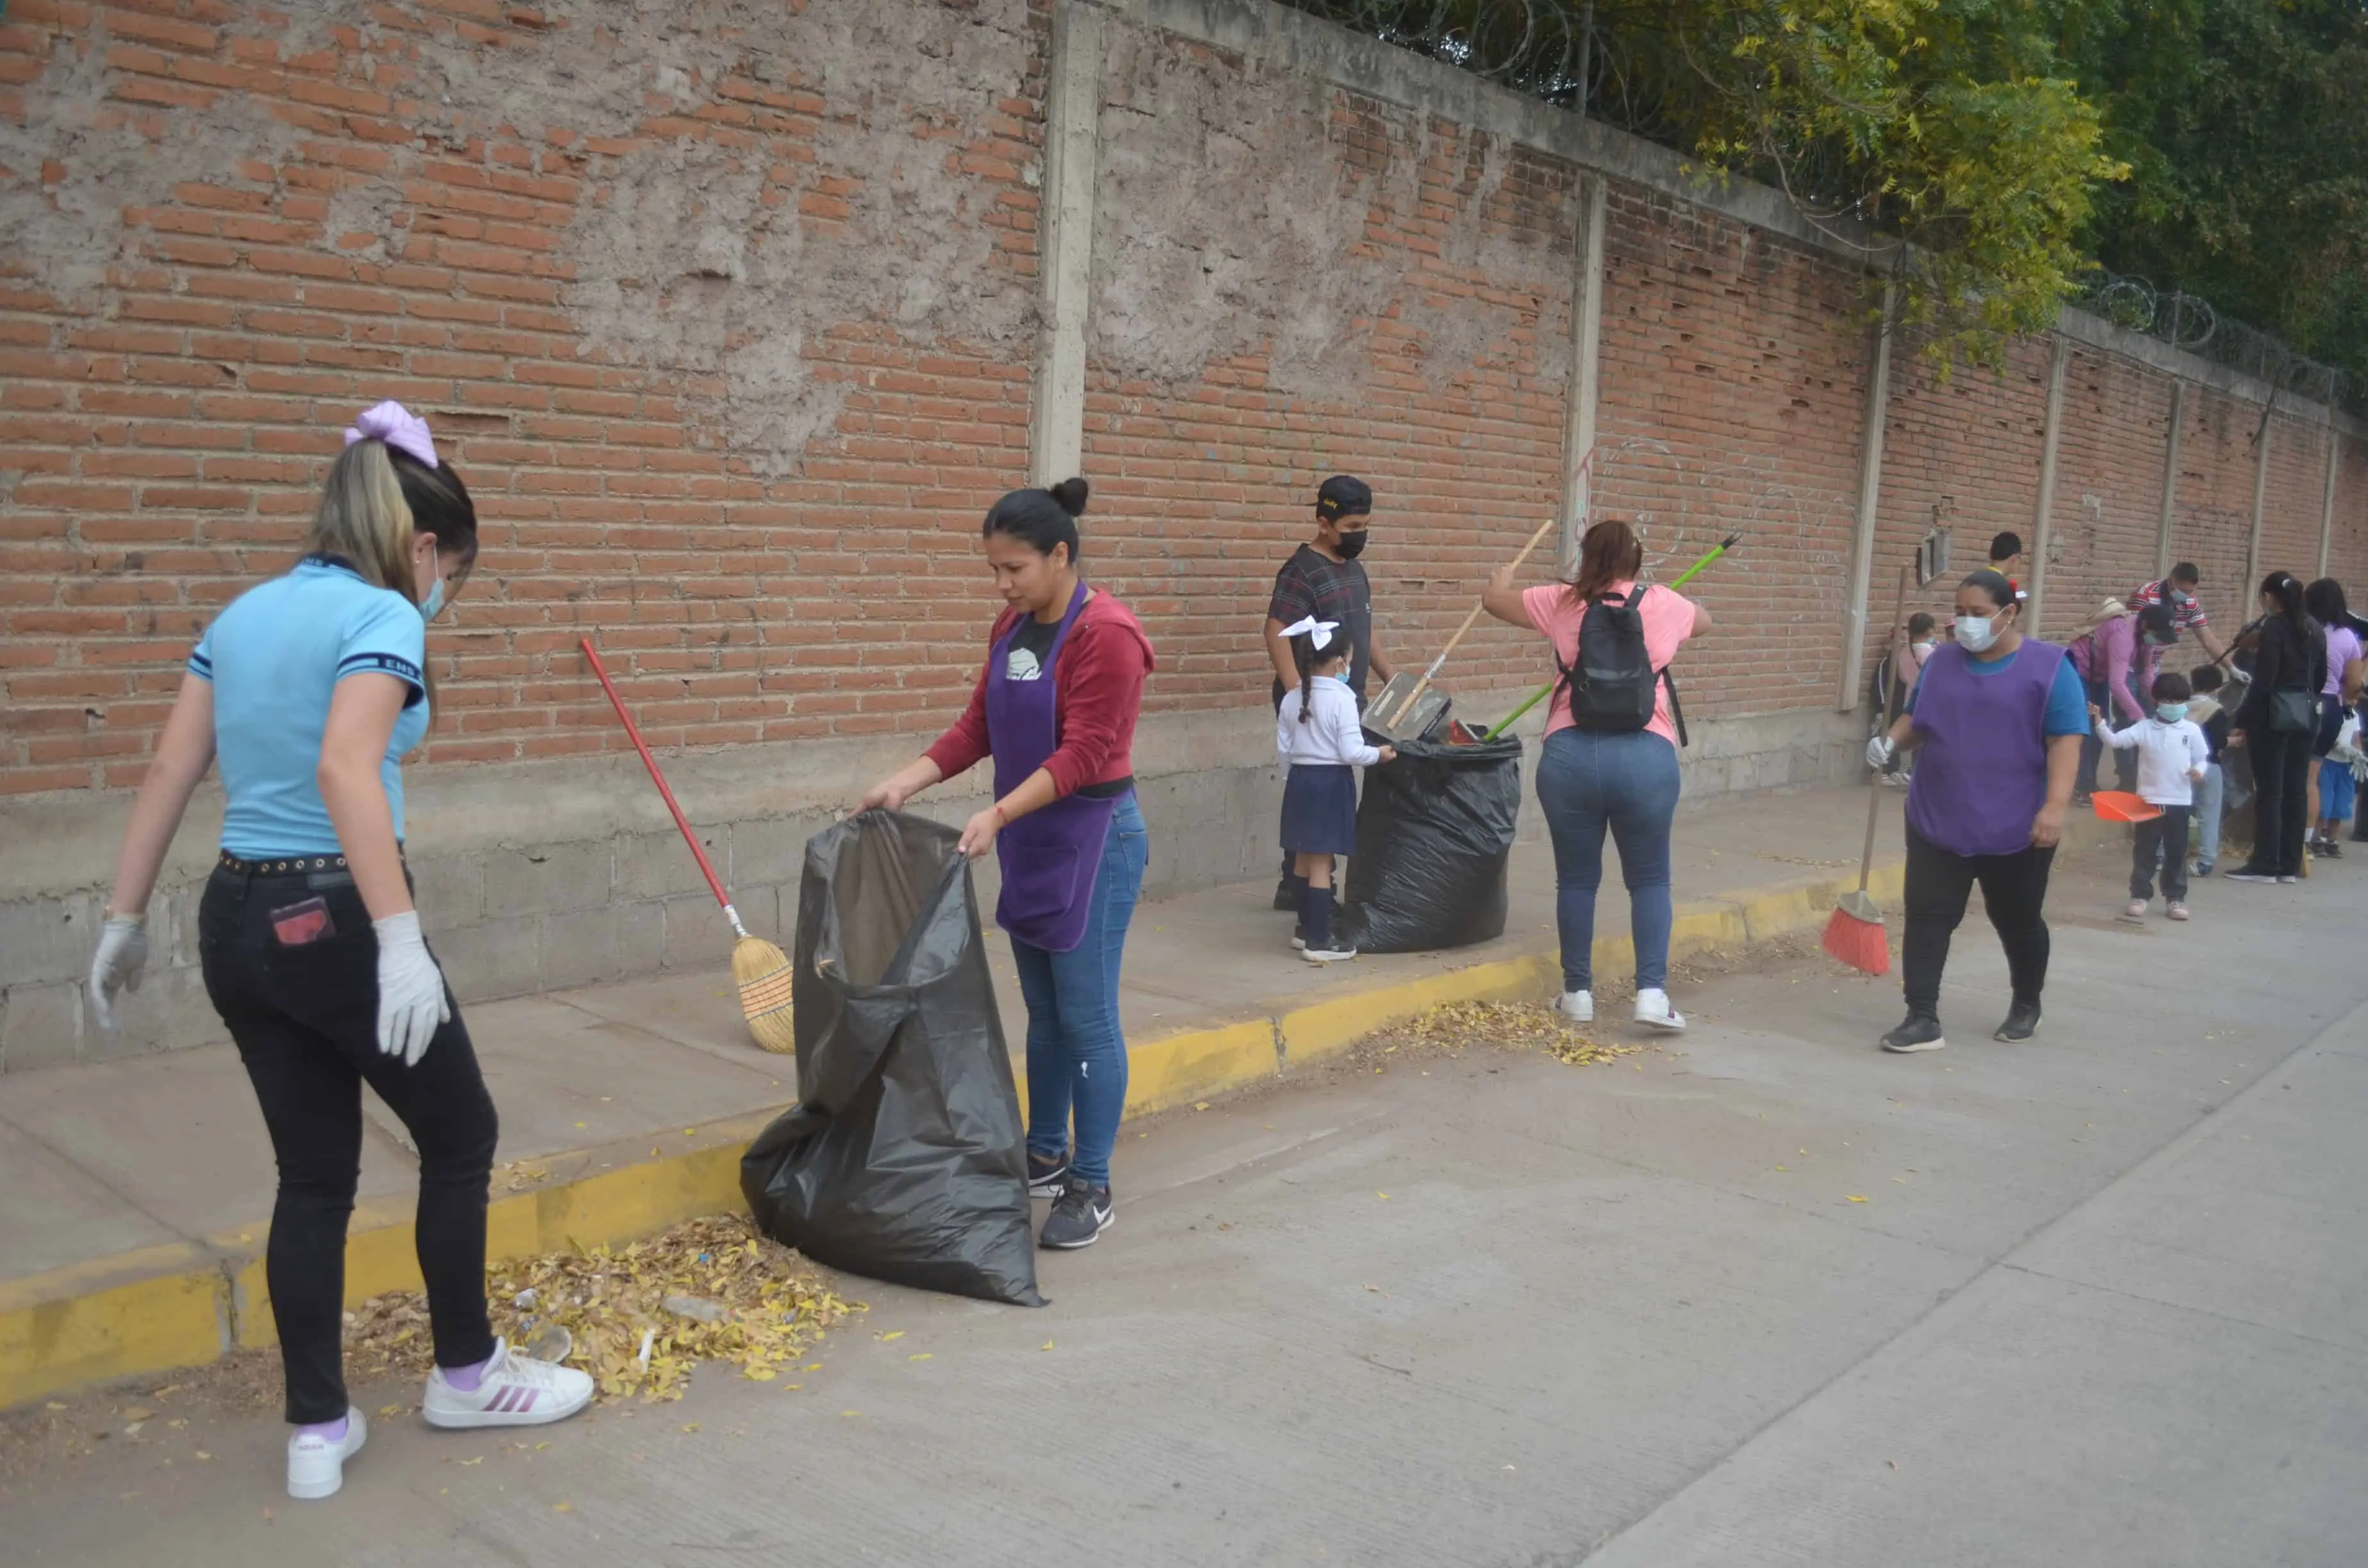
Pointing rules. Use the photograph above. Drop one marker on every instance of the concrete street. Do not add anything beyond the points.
(1764, 1297)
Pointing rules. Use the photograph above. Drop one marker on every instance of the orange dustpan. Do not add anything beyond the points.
(2117, 805)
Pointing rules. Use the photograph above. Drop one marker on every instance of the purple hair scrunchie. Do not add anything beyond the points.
(397, 426)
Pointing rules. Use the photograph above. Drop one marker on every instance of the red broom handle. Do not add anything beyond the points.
(658, 778)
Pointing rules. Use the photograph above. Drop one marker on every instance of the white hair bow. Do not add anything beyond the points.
(1319, 631)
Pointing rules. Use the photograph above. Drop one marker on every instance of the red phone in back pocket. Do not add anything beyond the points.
(302, 923)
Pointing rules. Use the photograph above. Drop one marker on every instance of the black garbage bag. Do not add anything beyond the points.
(905, 1158)
(1434, 838)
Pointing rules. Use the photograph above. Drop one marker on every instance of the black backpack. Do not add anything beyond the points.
(1612, 686)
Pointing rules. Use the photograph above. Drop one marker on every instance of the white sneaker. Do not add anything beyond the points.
(1579, 1007)
(1653, 1010)
(316, 1466)
(1336, 953)
(516, 1390)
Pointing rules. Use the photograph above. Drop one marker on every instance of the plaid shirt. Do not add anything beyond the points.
(2184, 616)
(1313, 583)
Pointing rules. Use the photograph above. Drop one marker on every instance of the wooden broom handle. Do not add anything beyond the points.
(1419, 686)
(657, 777)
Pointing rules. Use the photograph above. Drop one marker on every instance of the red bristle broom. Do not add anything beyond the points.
(1854, 933)
(761, 970)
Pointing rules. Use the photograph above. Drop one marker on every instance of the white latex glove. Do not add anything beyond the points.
(117, 966)
(1878, 753)
(410, 989)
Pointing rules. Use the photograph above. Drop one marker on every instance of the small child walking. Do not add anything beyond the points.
(2172, 759)
(1317, 734)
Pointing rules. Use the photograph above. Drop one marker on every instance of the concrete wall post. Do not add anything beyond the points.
(1586, 359)
(2326, 499)
(1870, 491)
(1056, 424)
(2162, 528)
(2260, 497)
(2042, 508)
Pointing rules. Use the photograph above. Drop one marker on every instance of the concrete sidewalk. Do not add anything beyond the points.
(134, 1195)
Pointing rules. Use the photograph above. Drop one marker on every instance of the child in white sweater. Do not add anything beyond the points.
(1317, 734)
(2171, 758)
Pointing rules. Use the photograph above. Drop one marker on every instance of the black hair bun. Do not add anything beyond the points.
(1070, 495)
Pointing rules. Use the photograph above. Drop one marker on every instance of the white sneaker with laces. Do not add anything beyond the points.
(1579, 1007)
(516, 1390)
(1653, 1010)
(316, 1466)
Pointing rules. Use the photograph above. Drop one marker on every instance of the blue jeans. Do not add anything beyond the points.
(1076, 1056)
(1628, 783)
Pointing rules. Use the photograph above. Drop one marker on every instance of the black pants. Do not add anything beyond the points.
(2014, 886)
(306, 1022)
(2281, 800)
(2163, 839)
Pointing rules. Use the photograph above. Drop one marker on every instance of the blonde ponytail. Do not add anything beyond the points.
(364, 521)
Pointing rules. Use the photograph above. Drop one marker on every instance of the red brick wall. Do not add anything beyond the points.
(2108, 486)
(2212, 523)
(2295, 502)
(1732, 369)
(169, 422)
(2348, 554)
(1961, 453)
(731, 333)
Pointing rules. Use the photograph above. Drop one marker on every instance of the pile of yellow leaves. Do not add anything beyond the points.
(735, 1296)
(1510, 1026)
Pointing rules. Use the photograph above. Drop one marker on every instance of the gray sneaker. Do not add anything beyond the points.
(1079, 1217)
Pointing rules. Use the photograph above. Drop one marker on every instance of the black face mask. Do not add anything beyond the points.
(1352, 544)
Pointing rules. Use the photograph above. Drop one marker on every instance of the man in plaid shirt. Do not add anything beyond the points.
(2177, 593)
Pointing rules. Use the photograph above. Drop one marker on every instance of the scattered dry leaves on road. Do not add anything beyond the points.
(1508, 1026)
(750, 1301)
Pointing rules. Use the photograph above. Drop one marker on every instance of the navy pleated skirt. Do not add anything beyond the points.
(1319, 808)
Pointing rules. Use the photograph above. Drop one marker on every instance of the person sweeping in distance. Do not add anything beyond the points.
(1317, 737)
(309, 689)
(1997, 722)
(1055, 707)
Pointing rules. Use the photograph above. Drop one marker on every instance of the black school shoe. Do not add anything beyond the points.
(1921, 1032)
(1047, 1178)
(1286, 895)
(1079, 1217)
(2021, 1023)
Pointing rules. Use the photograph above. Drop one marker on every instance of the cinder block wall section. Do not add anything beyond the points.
(736, 313)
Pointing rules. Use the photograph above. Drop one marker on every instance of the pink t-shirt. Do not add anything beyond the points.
(1668, 621)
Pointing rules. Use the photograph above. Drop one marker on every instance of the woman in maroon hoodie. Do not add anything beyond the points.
(1055, 707)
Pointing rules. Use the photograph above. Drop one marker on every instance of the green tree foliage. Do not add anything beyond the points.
(2245, 123)
(2214, 146)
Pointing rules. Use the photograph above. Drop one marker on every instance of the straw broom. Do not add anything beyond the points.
(761, 970)
(1854, 931)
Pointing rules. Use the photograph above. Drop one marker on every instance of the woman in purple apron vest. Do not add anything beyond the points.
(1999, 719)
(1055, 706)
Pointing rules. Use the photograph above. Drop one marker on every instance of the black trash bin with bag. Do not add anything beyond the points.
(1434, 839)
(905, 1158)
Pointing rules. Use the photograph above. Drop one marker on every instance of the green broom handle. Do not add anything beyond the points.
(1682, 579)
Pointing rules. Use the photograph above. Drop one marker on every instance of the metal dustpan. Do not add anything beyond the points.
(1388, 716)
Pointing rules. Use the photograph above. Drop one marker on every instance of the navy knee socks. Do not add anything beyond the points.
(1315, 915)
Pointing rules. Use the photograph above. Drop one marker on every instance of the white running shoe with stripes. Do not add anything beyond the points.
(514, 1391)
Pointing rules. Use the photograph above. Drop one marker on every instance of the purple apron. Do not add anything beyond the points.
(1050, 857)
(1981, 771)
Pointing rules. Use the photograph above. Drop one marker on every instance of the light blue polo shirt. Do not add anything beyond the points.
(275, 657)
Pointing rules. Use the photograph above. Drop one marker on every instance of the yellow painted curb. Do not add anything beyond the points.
(182, 1305)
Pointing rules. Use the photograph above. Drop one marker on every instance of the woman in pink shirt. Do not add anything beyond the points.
(1607, 771)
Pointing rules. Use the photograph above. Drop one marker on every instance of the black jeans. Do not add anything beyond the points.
(2280, 798)
(305, 1019)
(2163, 839)
(2014, 886)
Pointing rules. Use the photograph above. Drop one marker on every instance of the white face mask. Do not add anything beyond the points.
(1976, 633)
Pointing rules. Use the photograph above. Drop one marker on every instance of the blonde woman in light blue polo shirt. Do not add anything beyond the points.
(308, 691)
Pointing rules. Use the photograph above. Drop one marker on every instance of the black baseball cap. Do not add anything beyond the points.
(1343, 495)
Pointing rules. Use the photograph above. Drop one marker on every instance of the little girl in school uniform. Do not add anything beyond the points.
(1317, 734)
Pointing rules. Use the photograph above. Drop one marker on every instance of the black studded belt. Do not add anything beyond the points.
(288, 866)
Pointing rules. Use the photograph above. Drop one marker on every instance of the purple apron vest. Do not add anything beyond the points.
(1052, 856)
(1981, 771)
